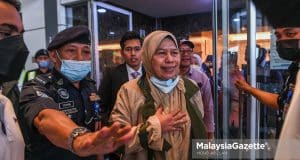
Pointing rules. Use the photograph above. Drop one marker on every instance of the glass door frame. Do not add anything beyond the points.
(96, 71)
(252, 114)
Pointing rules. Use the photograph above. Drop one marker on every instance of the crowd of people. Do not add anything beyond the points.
(149, 107)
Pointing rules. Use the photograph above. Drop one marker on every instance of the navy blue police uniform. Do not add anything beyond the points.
(56, 91)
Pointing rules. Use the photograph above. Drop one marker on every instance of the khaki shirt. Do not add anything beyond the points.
(126, 111)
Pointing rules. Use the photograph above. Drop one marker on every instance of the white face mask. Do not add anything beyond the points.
(165, 86)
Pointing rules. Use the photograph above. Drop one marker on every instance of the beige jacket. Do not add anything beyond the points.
(126, 111)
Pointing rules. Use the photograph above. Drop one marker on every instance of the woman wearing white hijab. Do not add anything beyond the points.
(164, 110)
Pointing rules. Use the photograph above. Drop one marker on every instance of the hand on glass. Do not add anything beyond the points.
(241, 84)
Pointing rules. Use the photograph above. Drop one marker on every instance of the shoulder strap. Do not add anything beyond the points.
(198, 127)
(147, 110)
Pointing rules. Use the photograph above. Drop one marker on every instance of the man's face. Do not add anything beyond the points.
(288, 43)
(10, 21)
(287, 33)
(42, 58)
(132, 53)
(186, 55)
(165, 61)
(71, 51)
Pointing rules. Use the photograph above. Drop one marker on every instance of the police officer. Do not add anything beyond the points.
(59, 107)
(285, 18)
(42, 59)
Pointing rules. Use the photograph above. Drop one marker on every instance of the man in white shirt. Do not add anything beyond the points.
(13, 55)
(114, 78)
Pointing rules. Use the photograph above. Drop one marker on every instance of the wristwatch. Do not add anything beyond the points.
(75, 133)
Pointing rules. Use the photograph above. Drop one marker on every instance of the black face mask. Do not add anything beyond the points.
(289, 49)
(13, 55)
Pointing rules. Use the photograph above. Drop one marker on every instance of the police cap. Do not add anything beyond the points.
(280, 13)
(79, 34)
(41, 52)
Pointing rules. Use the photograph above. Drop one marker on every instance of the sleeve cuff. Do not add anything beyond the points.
(155, 136)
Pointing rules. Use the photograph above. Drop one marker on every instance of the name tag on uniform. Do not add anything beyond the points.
(66, 105)
(68, 108)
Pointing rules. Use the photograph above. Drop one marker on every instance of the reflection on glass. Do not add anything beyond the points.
(77, 14)
(111, 27)
(112, 24)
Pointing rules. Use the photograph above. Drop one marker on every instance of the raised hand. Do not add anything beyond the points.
(103, 141)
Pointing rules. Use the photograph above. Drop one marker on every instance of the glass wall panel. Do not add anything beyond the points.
(110, 23)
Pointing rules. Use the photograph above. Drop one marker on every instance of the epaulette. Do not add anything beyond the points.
(43, 78)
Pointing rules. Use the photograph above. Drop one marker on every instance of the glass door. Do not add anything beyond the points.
(109, 23)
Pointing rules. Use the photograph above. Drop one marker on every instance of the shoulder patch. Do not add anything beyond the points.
(41, 94)
(63, 93)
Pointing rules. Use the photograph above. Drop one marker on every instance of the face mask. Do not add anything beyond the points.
(75, 70)
(13, 55)
(289, 49)
(164, 86)
(44, 64)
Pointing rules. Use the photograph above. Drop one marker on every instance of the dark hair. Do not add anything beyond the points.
(280, 13)
(15, 3)
(129, 35)
(188, 43)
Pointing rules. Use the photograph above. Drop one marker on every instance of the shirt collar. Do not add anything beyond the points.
(131, 70)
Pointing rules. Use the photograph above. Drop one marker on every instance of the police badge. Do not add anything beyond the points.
(63, 93)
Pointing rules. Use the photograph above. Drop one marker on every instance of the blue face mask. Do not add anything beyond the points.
(165, 86)
(75, 70)
(44, 63)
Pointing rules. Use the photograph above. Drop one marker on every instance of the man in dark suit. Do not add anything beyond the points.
(114, 78)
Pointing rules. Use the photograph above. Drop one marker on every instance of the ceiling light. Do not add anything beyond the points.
(236, 20)
(101, 10)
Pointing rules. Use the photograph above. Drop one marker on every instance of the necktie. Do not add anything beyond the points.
(135, 74)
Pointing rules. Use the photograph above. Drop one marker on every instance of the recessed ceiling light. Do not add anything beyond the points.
(101, 10)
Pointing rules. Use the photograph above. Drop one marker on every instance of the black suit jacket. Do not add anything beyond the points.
(112, 81)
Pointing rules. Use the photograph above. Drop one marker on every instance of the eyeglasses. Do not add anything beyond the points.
(189, 51)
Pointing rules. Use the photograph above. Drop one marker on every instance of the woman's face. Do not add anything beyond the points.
(166, 59)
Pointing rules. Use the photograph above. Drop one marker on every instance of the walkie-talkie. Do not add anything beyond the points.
(97, 111)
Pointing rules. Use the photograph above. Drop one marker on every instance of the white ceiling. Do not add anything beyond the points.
(165, 8)
(169, 8)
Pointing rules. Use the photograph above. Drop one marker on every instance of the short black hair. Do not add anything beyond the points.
(15, 3)
(129, 35)
(188, 43)
(280, 13)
